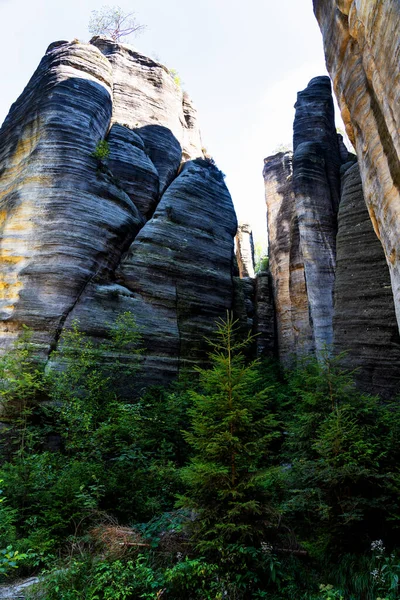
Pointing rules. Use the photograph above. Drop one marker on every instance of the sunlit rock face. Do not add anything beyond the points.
(293, 327)
(331, 282)
(365, 325)
(88, 239)
(316, 185)
(302, 193)
(245, 250)
(362, 46)
(146, 97)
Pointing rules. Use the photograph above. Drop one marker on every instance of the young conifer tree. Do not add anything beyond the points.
(231, 433)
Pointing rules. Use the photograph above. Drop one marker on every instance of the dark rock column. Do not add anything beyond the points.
(264, 320)
(365, 324)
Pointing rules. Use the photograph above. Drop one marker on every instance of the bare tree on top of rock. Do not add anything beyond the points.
(113, 22)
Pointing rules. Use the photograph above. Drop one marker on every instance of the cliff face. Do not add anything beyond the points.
(302, 195)
(253, 297)
(245, 250)
(362, 47)
(294, 333)
(85, 240)
(365, 325)
(316, 184)
(330, 277)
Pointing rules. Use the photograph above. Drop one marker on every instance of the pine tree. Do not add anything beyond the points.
(231, 433)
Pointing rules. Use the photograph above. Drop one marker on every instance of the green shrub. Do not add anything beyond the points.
(102, 151)
(342, 454)
(95, 579)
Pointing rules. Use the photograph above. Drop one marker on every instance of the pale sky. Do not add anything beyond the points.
(241, 62)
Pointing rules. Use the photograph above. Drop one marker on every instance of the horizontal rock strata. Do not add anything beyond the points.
(293, 327)
(87, 238)
(316, 184)
(362, 47)
(245, 250)
(365, 325)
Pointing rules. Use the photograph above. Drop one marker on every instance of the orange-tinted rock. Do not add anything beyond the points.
(362, 47)
(293, 327)
(365, 325)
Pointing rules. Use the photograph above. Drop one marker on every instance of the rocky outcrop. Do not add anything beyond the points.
(316, 185)
(365, 325)
(83, 238)
(245, 250)
(302, 195)
(293, 327)
(330, 278)
(362, 47)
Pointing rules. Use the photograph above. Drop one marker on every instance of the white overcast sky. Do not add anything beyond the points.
(242, 62)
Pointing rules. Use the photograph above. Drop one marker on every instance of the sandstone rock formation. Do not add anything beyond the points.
(264, 316)
(316, 185)
(245, 250)
(362, 46)
(293, 327)
(88, 239)
(320, 305)
(253, 297)
(365, 325)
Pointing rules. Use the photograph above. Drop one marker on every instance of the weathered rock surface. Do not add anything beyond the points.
(245, 250)
(316, 184)
(365, 323)
(344, 307)
(86, 239)
(134, 171)
(244, 292)
(362, 46)
(253, 297)
(294, 332)
(146, 97)
(176, 275)
(264, 319)
(62, 222)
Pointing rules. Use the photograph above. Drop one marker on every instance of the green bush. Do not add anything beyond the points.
(282, 480)
(342, 462)
(102, 151)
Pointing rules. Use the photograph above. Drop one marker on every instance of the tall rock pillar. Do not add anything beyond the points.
(316, 184)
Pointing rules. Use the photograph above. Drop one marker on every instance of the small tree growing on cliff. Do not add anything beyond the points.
(113, 22)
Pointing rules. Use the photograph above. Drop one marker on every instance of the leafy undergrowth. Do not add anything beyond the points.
(237, 482)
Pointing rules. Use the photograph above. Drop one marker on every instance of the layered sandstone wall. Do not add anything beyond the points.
(141, 231)
(362, 47)
(293, 326)
(320, 231)
(365, 325)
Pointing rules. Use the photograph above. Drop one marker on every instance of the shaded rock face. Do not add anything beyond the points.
(253, 297)
(316, 185)
(365, 323)
(293, 326)
(85, 240)
(264, 317)
(362, 46)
